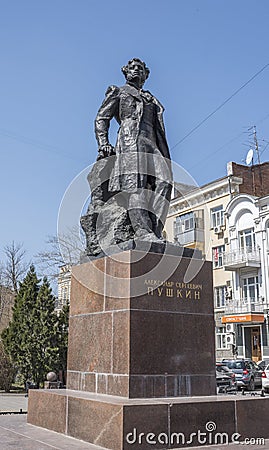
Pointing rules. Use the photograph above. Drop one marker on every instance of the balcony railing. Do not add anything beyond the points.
(245, 305)
(237, 259)
(194, 235)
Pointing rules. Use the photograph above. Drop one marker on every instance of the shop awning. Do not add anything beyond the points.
(243, 318)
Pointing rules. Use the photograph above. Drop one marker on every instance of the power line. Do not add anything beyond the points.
(217, 150)
(229, 142)
(220, 106)
(29, 141)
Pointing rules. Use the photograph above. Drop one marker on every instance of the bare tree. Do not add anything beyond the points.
(15, 267)
(64, 249)
(6, 300)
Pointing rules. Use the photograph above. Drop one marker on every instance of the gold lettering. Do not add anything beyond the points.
(169, 292)
(153, 282)
(188, 286)
(165, 288)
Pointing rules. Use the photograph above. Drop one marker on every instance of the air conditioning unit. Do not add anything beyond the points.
(218, 229)
(230, 328)
(230, 339)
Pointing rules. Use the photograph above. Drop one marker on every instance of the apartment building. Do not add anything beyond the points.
(246, 310)
(197, 219)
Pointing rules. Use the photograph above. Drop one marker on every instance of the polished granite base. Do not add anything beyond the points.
(141, 326)
(118, 423)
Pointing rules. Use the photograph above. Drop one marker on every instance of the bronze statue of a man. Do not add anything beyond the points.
(140, 148)
(140, 177)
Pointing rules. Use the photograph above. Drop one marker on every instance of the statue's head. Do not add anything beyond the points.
(136, 71)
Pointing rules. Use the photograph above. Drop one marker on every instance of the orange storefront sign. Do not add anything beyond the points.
(256, 318)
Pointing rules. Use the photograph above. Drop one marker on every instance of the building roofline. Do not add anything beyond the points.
(208, 186)
(238, 199)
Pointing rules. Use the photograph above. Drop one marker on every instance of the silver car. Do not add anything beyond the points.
(247, 374)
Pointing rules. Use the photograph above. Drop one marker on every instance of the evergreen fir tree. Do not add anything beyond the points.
(17, 337)
(36, 339)
(44, 354)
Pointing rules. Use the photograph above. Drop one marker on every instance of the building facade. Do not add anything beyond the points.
(198, 218)
(246, 309)
(64, 285)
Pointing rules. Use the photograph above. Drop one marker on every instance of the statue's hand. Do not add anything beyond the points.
(105, 150)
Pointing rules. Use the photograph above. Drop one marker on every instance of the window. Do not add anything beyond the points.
(236, 365)
(217, 216)
(184, 228)
(184, 223)
(221, 337)
(189, 227)
(220, 296)
(218, 256)
(251, 289)
(247, 239)
(65, 295)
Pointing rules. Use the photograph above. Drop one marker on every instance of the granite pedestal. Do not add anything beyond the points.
(138, 330)
(141, 327)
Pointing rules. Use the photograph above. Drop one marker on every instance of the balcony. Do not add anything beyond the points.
(190, 236)
(245, 305)
(238, 259)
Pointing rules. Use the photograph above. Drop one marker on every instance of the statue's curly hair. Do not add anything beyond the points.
(124, 69)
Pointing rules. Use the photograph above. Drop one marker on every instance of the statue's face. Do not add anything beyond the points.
(136, 73)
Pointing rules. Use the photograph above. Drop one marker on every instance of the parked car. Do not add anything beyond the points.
(262, 364)
(265, 379)
(225, 378)
(247, 373)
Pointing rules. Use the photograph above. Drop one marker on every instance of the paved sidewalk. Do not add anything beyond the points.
(13, 402)
(15, 433)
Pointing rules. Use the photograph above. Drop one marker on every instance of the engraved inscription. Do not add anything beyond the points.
(174, 289)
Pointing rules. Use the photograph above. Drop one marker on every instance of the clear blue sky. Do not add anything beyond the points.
(59, 56)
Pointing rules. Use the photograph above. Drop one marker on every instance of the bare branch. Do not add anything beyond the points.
(64, 249)
(15, 267)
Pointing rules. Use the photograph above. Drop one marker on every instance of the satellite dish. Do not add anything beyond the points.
(249, 157)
